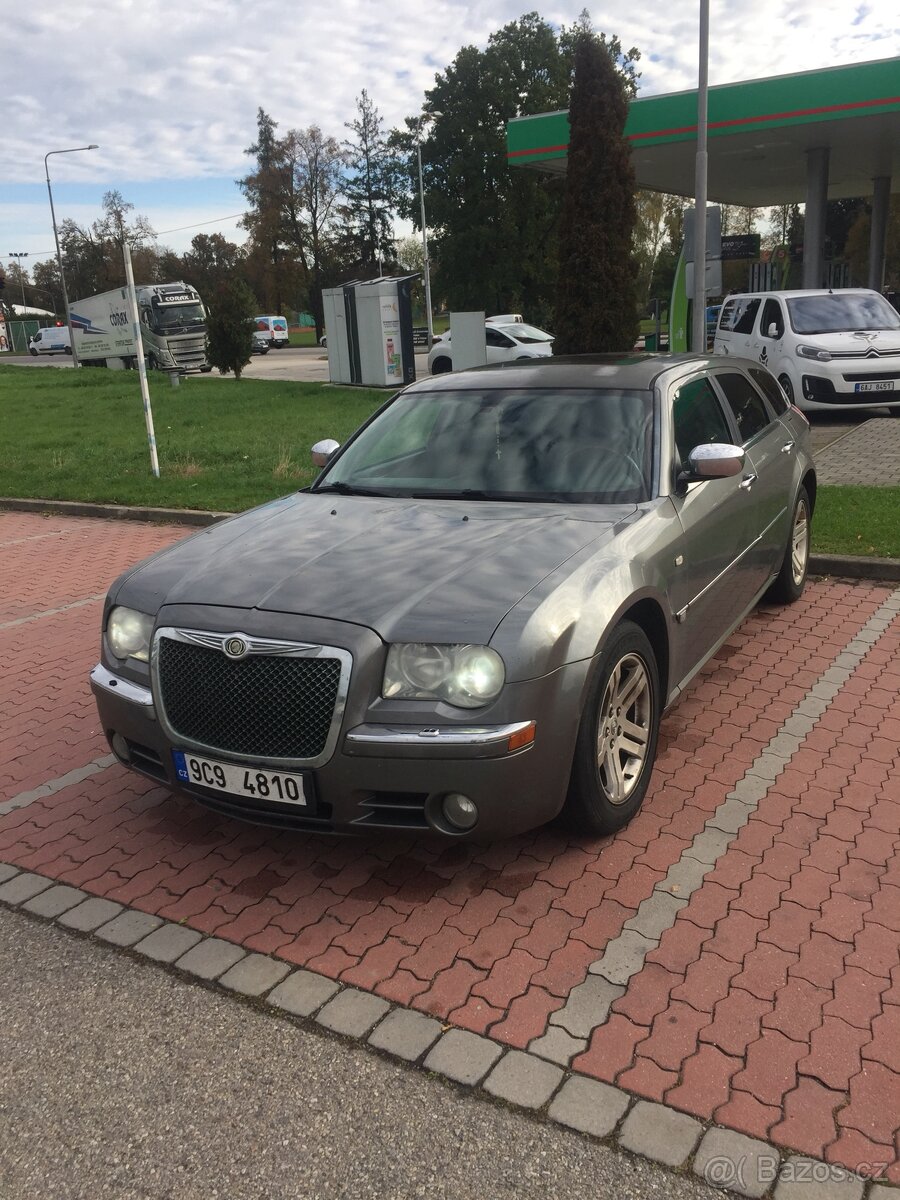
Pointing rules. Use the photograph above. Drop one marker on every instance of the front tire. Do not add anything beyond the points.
(791, 579)
(617, 738)
(787, 387)
(32, 352)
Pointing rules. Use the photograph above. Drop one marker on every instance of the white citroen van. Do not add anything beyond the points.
(828, 349)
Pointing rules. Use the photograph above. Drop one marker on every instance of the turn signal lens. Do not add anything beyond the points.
(524, 737)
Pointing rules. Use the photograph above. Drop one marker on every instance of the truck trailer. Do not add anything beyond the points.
(173, 328)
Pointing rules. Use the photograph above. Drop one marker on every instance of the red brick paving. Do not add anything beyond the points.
(771, 1006)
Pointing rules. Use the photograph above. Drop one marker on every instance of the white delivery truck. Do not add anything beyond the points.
(829, 348)
(173, 328)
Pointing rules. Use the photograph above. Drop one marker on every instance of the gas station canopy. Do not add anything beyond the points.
(760, 136)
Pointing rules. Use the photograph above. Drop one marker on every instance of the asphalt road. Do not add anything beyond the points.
(122, 1080)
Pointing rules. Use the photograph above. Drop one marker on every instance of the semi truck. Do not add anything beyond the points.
(173, 328)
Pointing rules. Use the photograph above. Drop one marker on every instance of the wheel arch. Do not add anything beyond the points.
(649, 617)
(809, 482)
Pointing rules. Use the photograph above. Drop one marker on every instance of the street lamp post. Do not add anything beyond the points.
(428, 317)
(71, 150)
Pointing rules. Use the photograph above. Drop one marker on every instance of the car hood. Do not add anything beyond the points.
(410, 570)
(848, 342)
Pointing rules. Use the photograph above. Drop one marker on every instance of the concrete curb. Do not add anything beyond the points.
(856, 567)
(113, 512)
(518, 1078)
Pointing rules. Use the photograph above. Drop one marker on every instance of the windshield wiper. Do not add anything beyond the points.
(349, 489)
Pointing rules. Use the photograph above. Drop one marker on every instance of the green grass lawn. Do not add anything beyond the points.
(227, 444)
(223, 443)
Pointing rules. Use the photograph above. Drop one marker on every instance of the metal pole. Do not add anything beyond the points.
(428, 316)
(72, 150)
(142, 367)
(698, 325)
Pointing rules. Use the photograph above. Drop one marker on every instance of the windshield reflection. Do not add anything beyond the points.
(573, 445)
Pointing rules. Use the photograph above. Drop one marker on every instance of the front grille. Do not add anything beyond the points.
(263, 706)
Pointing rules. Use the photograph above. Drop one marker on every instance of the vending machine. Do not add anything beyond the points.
(369, 332)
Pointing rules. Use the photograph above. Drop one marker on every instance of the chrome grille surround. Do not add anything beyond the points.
(257, 647)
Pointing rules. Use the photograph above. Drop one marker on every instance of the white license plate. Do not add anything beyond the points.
(882, 385)
(271, 786)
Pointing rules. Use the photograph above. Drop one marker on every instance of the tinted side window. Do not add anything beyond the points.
(726, 317)
(770, 389)
(746, 404)
(746, 316)
(698, 417)
(496, 338)
(772, 315)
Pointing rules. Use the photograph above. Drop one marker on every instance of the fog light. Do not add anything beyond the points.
(120, 747)
(459, 811)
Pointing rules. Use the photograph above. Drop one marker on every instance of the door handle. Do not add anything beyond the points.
(748, 483)
(787, 447)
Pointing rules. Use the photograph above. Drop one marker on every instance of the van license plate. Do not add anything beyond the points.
(882, 385)
(276, 787)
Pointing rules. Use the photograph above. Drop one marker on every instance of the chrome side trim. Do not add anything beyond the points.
(124, 689)
(434, 737)
(257, 645)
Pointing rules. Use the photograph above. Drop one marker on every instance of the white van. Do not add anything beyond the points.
(828, 349)
(274, 330)
(54, 339)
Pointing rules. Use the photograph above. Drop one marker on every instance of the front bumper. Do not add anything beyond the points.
(387, 776)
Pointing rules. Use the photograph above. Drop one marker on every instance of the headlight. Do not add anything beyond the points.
(814, 352)
(465, 676)
(129, 633)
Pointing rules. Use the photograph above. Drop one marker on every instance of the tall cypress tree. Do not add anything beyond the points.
(596, 305)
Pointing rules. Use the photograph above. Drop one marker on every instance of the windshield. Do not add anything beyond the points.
(179, 317)
(548, 445)
(841, 312)
(525, 333)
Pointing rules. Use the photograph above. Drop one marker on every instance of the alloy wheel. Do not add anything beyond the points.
(623, 728)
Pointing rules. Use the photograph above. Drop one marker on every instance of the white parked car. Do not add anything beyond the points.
(828, 349)
(505, 343)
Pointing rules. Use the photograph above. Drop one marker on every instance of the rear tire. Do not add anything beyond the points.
(441, 366)
(791, 579)
(617, 738)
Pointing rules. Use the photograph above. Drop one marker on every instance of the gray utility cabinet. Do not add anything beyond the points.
(369, 332)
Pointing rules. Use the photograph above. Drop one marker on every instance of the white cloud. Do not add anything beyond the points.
(170, 90)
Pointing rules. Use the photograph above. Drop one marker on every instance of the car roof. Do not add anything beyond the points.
(636, 372)
(799, 293)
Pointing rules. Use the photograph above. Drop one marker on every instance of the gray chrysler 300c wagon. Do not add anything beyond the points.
(476, 615)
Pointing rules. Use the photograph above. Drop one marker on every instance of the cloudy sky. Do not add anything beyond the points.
(169, 90)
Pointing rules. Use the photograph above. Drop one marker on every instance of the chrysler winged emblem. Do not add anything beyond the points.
(235, 647)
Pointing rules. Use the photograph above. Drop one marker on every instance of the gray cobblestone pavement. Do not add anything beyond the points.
(143, 1084)
(870, 454)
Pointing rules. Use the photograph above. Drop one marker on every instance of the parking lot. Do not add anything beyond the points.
(733, 954)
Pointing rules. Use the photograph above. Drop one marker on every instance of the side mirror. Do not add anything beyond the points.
(715, 460)
(322, 451)
(772, 331)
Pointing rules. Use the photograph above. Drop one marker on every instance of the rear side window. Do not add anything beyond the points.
(745, 402)
(698, 417)
(770, 390)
